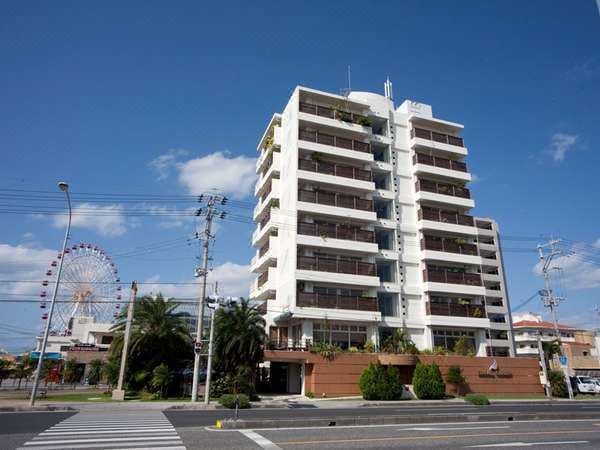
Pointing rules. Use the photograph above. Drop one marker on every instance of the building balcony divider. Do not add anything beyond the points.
(442, 163)
(334, 141)
(440, 215)
(335, 199)
(332, 113)
(335, 169)
(442, 188)
(336, 231)
(436, 137)
(262, 278)
(455, 310)
(350, 267)
(336, 301)
(451, 277)
(447, 245)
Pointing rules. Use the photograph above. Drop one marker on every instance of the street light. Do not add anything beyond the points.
(65, 188)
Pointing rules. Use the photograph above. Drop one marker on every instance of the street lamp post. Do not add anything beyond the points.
(65, 188)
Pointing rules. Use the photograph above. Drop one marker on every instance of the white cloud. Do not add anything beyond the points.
(163, 164)
(234, 176)
(105, 220)
(597, 243)
(560, 144)
(234, 280)
(576, 269)
(22, 262)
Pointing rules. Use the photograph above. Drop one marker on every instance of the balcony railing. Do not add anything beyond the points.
(447, 276)
(442, 188)
(335, 199)
(437, 137)
(331, 113)
(264, 249)
(447, 245)
(442, 163)
(335, 141)
(322, 264)
(263, 278)
(335, 169)
(336, 231)
(440, 215)
(484, 225)
(455, 310)
(265, 219)
(334, 301)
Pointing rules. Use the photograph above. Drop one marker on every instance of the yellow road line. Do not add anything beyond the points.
(448, 436)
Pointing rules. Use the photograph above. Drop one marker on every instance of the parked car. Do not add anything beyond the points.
(597, 383)
(584, 385)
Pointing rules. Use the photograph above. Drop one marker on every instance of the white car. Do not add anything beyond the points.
(597, 382)
(586, 385)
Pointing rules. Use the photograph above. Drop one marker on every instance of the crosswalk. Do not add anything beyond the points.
(108, 430)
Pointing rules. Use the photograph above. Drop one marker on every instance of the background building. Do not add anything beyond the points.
(363, 227)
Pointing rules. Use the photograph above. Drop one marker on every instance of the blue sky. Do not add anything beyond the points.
(157, 99)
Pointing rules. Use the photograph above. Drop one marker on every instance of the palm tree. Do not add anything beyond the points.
(161, 378)
(5, 369)
(23, 369)
(400, 343)
(71, 372)
(158, 335)
(239, 340)
(95, 372)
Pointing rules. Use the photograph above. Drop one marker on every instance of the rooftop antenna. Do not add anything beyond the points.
(387, 87)
(346, 91)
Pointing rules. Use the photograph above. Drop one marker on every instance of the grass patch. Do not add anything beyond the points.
(79, 397)
(477, 399)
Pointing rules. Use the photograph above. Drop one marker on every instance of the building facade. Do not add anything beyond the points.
(363, 227)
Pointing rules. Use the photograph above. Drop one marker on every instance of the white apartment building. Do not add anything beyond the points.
(363, 227)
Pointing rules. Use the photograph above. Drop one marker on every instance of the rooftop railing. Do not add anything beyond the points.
(332, 113)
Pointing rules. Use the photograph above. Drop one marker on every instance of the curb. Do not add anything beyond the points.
(392, 420)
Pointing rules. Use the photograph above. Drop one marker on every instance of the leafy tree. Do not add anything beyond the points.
(158, 335)
(161, 378)
(558, 384)
(454, 376)
(22, 369)
(400, 343)
(5, 370)
(110, 371)
(378, 382)
(464, 347)
(550, 349)
(239, 340)
(428, 383)
(71, 372)
(95, 372)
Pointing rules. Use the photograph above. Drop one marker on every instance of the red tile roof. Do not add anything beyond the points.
(542, 324)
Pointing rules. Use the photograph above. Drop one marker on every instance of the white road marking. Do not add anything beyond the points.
(99, 440)
(527, 444)
(453, 428)
(109, 431)
(474, 413)
(168, 446)
(259, 440)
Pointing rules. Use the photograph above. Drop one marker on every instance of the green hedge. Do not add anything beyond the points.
(428, 383)
(228, 401)
(477, 399)
(378, 382)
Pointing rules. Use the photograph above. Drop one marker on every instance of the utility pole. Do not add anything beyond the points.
(550, 300)
(211, 213)
(119, 393)
(543, 363)
(210, 347)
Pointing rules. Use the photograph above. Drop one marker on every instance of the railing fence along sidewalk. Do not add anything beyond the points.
(336, 301)
(336, 265)
(335, 169)
(436, 137)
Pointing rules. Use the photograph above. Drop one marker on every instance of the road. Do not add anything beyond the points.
(177, 430)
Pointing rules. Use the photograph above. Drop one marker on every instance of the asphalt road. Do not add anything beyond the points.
(189, 428)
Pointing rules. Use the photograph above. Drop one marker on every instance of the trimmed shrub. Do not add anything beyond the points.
(428, 383)
(378, 382)
(477, 399)
(558, 384)
(228, 401)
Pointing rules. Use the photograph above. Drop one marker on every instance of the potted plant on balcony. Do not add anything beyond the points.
(365, 121)
(342, 115)
(477, 313)
(464, 301)
(268, 141)
(460, 241)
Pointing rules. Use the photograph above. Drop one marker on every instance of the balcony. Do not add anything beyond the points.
(334, 141)
(440, 215)
(336, 231)
(436, 137)
(455, 310)
(335, 170)
(337, 265)
(447, 245)
(442, 188)
(335, 199)
(442, 163)
(334, 113)
(451, 277)
(334, 301)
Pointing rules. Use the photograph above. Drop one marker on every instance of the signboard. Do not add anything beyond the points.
(563, 361)
(50, 355)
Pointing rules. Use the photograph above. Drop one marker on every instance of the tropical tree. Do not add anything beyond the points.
(5, 369)
(110, 371)
(400, 343)
(71, 372)
(239, 340)
(22, 369)
(158, 335)
(161, 378)
(550, 349)
(95, 372)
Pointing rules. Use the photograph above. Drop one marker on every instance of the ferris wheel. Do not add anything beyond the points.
(89, 287)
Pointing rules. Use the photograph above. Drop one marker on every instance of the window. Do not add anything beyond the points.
(447, 337)
(342, 335)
